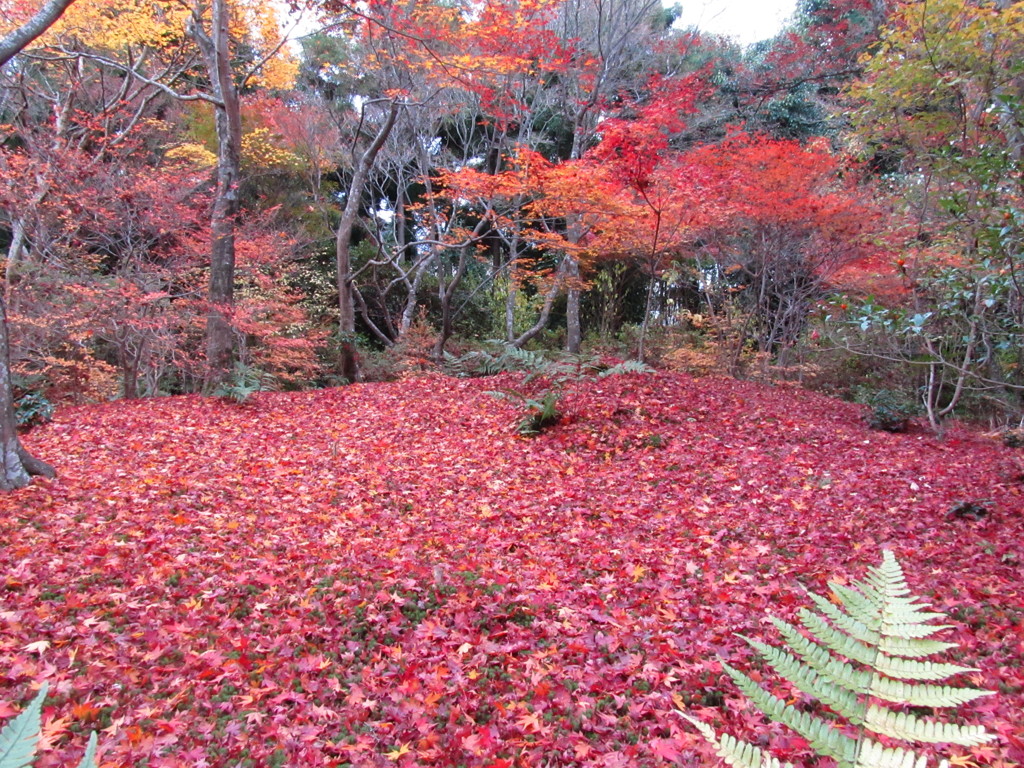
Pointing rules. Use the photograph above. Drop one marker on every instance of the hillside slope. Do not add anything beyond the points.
(387, 574)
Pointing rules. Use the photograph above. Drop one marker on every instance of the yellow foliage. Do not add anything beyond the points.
(259, 150)
(71, 376)
(113, 25)
(193, 155)
(258, 22)
(941, 72)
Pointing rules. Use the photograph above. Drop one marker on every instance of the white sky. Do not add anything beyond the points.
(748, 21)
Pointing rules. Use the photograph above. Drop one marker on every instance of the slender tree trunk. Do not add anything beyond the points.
(17, 464)
(549, 302)
(224, 221)
(348, 362)
(510, 311)
(573, 328)
(446, 293)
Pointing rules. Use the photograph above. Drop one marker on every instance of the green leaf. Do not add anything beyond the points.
(19, 738)
(89, 758)
(903, 725)
(739, 754)
(881, 617)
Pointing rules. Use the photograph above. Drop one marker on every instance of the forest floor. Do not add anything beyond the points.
(387, 574)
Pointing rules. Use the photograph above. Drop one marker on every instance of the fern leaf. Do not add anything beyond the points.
(889, 575)
(870, 643)
(819, 659)
(627, 366)
(739, 754)
(513, 358)
(907, 669)
(836, 640)
(900, 692)
(819, 733)
(89, 758)
(860, 606)
(911, 631)
(837, 696)
(856, 629)
(903, 725)
(912, 648)
(874, 755)
(19, 737)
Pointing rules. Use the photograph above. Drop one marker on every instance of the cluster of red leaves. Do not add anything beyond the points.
(388, 575)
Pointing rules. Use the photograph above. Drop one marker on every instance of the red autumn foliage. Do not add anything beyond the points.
(389, 575)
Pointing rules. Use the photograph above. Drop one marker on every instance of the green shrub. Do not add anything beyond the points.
(20, 737)
(543, 406)
(243, 382)
(890, 410)
(1014, 438)
(540, 413)
(884, 629)
(32, 409)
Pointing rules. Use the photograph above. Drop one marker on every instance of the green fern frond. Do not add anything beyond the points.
(856, 629)
(819, 733)
(739, 754)
(912, 631)
(903, 725)
(870, 645)
(874, 755)
(860, 606)
(845, 645)
(822, 661)
(627, 366)
(19, 737)
(914, 649)
(936, 696)
(514, 358)
(907, 669)
(835, 695)
(89, 758)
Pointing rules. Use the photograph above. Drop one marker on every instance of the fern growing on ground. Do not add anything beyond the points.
(542, 406)
(864, 661)
(243, 382)
(20, 737)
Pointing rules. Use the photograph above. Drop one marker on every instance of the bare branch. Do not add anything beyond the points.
(18, 39)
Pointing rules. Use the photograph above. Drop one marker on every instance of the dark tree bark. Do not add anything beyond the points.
(348, 363)
(18, 465)
(224, 221)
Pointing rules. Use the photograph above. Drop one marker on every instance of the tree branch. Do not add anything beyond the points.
(18, 39)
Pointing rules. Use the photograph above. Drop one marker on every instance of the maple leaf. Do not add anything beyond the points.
(395, 754)
(535, 604)
(666, 749)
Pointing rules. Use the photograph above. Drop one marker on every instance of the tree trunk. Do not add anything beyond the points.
(446, 293)
(224, 221)
(573, 327)
(17, 465)
(348, 362)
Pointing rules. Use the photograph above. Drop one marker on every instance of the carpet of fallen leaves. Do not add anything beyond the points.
(389, 575)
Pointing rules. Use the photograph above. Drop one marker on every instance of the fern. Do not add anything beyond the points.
(508, 359)
(243, 382)
(857, 658)
(19, 739)
(542, 407)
